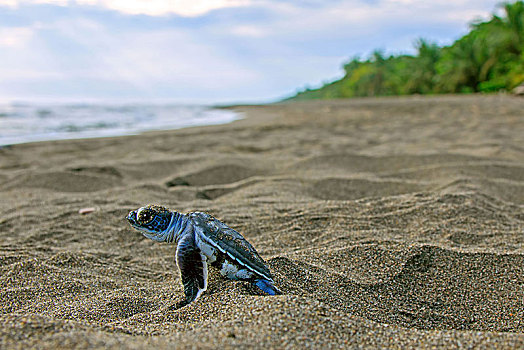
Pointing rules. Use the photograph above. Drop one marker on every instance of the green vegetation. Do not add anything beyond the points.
(489, 58)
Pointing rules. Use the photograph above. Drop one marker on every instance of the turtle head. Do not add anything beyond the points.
(152, 220)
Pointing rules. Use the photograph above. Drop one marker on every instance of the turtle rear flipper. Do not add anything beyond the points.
(267, 287)
(193, 268)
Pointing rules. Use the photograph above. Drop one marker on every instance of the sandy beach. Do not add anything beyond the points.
(391, 222)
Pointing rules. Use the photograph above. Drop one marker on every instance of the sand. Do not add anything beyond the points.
(392, 222)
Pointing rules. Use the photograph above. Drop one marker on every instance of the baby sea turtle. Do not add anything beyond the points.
(201, 240)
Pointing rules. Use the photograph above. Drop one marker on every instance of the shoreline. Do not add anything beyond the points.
(386, 222)
(71, 122)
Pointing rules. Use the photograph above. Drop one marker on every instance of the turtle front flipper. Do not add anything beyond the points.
(193, 268)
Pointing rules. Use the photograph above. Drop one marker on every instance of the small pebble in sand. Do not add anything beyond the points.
(85, 211)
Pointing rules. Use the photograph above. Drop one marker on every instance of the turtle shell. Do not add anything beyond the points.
(230, 242)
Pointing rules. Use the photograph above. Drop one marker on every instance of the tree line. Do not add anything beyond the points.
(489, 58)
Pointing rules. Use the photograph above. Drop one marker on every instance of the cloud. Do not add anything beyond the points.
(79, 57)
(16, 3)
(355, 10)
(186, 8)
(248, 31)
(359, 16)
(12, 37)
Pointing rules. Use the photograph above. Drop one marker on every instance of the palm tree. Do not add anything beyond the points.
(513, 23)
(423, 68)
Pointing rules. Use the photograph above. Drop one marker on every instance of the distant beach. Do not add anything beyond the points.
(387, 223)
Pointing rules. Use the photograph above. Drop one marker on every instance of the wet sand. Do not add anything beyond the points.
(393, 222)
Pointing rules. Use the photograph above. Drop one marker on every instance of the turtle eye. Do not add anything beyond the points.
(144, 216)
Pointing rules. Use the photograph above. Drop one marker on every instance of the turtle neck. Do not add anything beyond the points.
(180, 224)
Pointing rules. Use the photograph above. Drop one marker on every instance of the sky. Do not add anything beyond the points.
(206, 51)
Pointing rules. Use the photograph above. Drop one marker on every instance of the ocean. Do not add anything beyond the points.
(21, 123)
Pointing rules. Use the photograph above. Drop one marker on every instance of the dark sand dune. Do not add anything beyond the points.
(386, 222)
